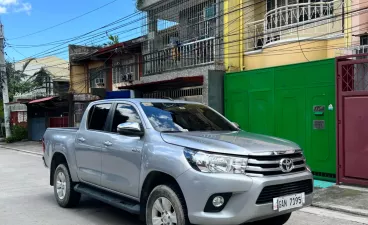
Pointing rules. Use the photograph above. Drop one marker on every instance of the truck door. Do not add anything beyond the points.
(90, 142)
(121, 156)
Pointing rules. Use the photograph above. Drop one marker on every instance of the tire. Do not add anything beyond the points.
(64, 193)
(278, 220)
(166, 197)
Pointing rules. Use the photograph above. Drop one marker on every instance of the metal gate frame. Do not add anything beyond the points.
(340, 94)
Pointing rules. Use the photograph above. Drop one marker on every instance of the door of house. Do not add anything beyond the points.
(352, 119)
(38, 128)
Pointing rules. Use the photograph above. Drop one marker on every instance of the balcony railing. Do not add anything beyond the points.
(360, 49)
(191, 54)
(292, 21)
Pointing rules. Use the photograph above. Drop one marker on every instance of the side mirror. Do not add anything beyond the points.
(130, 129)
(236, 125)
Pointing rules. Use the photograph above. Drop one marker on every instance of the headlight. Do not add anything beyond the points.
(215, 163)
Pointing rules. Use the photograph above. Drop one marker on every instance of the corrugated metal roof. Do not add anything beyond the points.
(57, 67)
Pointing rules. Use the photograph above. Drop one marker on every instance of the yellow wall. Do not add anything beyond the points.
(233, 26)
(79, 81)
(291, 53)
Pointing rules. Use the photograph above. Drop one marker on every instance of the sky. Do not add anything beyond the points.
(23, 17)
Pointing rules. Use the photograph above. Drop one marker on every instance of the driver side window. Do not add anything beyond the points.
(124, 113)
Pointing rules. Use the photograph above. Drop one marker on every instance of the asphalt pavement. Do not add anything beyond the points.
(26, 198)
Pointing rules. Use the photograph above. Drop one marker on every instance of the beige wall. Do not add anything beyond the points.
(79, 80)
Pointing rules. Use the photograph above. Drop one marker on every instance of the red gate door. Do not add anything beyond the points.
(58, 121)
(352, 116)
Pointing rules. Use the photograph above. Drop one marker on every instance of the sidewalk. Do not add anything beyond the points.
(353, 200)
(32, 147)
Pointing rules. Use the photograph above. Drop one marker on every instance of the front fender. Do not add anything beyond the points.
(163, 158)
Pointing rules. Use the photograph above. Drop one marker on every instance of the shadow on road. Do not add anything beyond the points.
(95, 210)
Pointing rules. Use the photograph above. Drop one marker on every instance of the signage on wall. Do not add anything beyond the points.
(318, 124)
(318, 109)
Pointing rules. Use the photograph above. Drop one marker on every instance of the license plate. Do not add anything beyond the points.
(288, 202)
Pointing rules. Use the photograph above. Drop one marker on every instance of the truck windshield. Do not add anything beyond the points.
(183, 117)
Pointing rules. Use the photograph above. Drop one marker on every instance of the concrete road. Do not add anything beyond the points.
(27, 199)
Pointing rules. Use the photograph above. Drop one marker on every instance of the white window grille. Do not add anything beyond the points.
(124, 70)
(289, 19)
(287, 12)
(201, 21)
(97, 77)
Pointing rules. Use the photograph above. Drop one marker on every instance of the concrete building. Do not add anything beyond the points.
(95, 72)
(182, 56)
(281, 32)
(57, 83)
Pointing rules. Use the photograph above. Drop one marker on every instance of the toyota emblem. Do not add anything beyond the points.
(286, 165)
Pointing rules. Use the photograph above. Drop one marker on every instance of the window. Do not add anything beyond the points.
(364, 40)
(124, 113)
(201, 21)
(97, 117)
(79, 109)
(182, 117)
(97, 77)
(123, 70)
(285, 12)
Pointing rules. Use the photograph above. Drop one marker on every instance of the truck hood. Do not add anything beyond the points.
(229, 142)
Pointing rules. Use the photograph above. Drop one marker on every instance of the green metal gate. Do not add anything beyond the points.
(295, 102)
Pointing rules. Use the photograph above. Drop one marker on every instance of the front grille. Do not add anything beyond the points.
(268, 165)
(269, 193)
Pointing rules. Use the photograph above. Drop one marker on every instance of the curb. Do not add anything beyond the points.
(344, 209)
(21, 150)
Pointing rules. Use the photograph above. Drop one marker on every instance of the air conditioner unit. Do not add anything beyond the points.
(100, 82)
(127, 77)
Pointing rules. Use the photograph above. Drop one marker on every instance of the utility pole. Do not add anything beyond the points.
(4, 85)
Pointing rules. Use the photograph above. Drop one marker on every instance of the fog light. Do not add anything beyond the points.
(218, 201)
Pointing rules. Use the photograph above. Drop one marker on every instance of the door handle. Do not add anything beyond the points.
(107, 143)
(81, 139)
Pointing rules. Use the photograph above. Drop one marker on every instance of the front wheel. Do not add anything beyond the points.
(165, 206)
(63, 188)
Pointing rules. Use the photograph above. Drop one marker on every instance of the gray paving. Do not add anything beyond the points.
(27, 199)
(25, 146)
(345, 199)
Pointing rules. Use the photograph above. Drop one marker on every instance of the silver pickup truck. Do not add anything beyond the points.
(176, 163)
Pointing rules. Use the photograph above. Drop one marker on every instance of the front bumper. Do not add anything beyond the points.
(198, 187)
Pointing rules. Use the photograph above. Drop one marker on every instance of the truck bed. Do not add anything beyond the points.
(59, 140)
(64, 129)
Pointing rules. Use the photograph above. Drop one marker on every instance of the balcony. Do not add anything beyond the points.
(191, 54)
(360, 49)
(142, 4)
(290, 22)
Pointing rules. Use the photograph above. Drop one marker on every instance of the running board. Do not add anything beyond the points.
(108, 198)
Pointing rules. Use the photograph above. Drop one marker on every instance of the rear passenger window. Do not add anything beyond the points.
(124, 113)
(97, 117)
